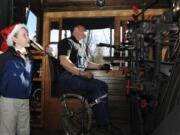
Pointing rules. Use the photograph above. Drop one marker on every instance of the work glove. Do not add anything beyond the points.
(106, 67)
(86, 74)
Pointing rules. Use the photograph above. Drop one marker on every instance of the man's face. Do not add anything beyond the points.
(81, 32)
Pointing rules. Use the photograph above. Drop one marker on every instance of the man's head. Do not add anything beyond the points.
(79, 32)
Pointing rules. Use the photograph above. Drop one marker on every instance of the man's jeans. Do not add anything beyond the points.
(92, 88)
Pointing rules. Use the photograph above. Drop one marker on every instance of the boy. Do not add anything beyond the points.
(15, 81)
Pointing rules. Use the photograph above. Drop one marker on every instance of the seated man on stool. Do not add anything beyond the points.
(74, 79)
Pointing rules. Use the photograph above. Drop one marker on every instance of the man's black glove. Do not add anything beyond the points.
(106, 67)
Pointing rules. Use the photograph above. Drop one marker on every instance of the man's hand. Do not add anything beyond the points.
(106, 67)
(86, 74)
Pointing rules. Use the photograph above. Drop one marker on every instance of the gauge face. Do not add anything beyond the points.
(36, 98)
(100, 3)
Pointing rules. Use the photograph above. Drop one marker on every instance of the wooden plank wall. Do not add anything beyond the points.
(118, 104)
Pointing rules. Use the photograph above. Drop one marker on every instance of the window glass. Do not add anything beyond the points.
(54, 35)
(31, 25)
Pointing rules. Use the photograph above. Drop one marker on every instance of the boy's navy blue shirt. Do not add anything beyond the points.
(15, 75)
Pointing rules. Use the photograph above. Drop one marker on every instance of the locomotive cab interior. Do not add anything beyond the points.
(141, 41)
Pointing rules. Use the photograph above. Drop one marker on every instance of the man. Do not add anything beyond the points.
(73, 77)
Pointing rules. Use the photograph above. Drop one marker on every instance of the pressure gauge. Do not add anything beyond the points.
(100, 3)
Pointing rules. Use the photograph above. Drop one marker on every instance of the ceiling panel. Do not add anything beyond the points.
(109, 4)
(38, 6)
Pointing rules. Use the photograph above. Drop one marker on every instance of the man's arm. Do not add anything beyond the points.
(93, 65)
(106, 67)
(68, 65)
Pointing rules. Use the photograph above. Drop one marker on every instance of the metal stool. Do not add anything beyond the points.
(77, 113)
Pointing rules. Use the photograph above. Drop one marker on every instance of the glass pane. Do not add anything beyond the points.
(54, 35)
(65, 33)
(31, 25)
(103, 37)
